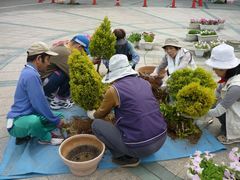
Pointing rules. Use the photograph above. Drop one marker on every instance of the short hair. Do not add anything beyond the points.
(33, 57)
(232, 72)
(119, 33)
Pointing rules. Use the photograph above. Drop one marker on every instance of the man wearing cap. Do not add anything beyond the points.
(140, 128)
(56, 78)
(30, 115)
(227, 110)
(175, 58)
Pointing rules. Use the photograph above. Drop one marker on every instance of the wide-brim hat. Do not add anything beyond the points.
(39, 48)
(223, 57)
(119, 67)
(171, 42)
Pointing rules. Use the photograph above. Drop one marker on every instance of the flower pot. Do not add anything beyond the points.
(194, 25)
(209, 27)
(82, 153)
(207, 38)
(148, 46)
(136, 44)
(191, 37)
(199, 52)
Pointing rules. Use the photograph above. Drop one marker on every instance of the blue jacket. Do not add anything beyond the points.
(29, 97)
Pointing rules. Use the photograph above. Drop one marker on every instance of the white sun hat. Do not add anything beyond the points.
(119, 67)
(223, 57)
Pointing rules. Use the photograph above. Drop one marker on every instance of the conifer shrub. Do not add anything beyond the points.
(194, 100)
(85, 83)
(183, 77)
(102, 43)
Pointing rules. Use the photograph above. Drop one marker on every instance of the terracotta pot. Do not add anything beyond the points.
(82, 168)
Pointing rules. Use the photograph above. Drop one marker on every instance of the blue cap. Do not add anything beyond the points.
(83, 40)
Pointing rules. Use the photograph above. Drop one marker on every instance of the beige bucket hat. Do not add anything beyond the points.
(171, 42)
(39, 48)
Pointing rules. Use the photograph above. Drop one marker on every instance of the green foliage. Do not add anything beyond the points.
(211, 170)
(194, 100)
(181, 126)
(194, 31)
(102, 43)
(207, 32)
(134, 37)
(183, 77)
(148, 37)
(85, 83)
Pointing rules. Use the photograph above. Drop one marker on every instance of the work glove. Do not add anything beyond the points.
(91, 114)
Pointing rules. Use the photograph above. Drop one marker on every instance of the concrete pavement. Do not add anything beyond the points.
(24, 21)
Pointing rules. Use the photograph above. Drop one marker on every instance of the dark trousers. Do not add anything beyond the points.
(58, 82)
(222, 120)
(112, 138)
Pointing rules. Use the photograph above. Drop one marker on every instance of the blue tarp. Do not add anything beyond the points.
(32, 159)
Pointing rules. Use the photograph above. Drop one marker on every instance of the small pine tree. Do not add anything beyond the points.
(102, 44)
(86, 86)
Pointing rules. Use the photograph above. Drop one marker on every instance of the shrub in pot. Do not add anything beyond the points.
(103, 41)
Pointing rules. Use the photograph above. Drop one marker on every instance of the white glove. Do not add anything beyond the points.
(91, 114)
(154, 74)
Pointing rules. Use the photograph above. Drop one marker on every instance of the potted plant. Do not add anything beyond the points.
(134, 38)
(202, 166)
(148, 38)
(207, 35)
(200, 48)
(191, 95)
(86, 86)
(192, 35)
(215, 43)
(210, 24)
(194, 24)
(103, 41)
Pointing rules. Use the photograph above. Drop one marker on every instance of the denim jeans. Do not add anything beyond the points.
(57, 82)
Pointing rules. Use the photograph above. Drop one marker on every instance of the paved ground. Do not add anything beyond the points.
(24, 21)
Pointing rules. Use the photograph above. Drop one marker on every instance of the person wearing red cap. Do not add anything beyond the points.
(56, 78)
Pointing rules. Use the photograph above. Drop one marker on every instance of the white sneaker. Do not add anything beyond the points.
(60, 104)
(54, 141)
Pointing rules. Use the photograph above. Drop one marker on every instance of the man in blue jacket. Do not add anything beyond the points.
(30, 114)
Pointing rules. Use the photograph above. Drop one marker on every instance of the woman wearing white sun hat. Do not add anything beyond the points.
(140, 129)
(226, 66)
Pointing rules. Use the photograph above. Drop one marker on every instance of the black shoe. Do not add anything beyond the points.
(126, 161)
(20, 141)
